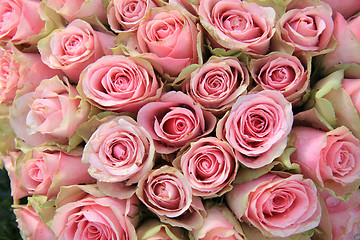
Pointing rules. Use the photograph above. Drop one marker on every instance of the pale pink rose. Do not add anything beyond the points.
(72, 9)
(9, 76)
(235, 24)
(74, 47)
(119, 83)
(167, 36)
(126, 15)
(167, 193)
(282, 72)
(175, 120)
(343, 216)
(278, 205)
(120, 150)
(209, 165)
(347, 50)
(153, 229)
(257, 127)
(216, 84)
(352, 87)
(44, 170)
(21, 73)
(307, 26)
(30, 224)
(18, 191)
(347, 8)
(50, 113)
(219, 223)
(330, 158)
(20, 20)
(88, 215)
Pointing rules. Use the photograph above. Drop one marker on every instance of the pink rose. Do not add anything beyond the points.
(126, 15)
(219, 223)
(239, 25)
(279, 206)
(21, 73)
(119, 83)
(20, 21)
(175, 120)
(257, 127)
(120, 150)
(30, 224)
(284, 73)
(209, 165)
(216, 84)
(73, 9)
(167, 193)
(43, 171)
(346, 8)
(50, 113)
(307, 26)
(347, 51)
(84, 213)
(330, 158)
(167, 36)
(9, 76)
(74, 47)
(343, 216)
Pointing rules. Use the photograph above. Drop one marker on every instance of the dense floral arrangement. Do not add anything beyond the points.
(200, 119)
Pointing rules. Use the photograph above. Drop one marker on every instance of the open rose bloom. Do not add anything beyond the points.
(181, 119)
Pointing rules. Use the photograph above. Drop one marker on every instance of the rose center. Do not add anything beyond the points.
(206, 166)
(119, 152)
(305, 25)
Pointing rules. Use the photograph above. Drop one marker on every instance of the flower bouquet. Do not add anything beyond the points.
(200, 119)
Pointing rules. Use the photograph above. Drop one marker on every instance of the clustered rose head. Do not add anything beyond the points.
(175, 120)
(120, 150)
(279, 206)
(119, 83)
(257, 127)
(216, 84)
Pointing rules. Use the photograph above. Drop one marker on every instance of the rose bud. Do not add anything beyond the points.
(30, 224)
(209, 165)
(306, 26)
(175, 120)
(74, 47)
(20, 21)
(126, 15)
(167, 193)
(82, 213)
(167, 37)
(51, 113)
(282, 72)
(119, 151)
(342, 216)
(216, 84)
(153, 229)
(330, 158)
(257, 127)
(239, 25)
(44, 170)
(219, 223)
(73, 9)
(279, 206)
(119, 83)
